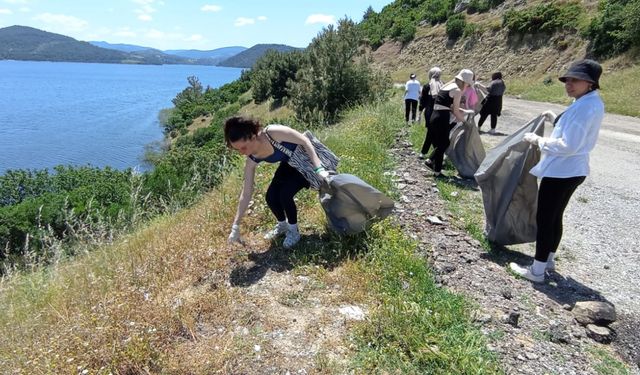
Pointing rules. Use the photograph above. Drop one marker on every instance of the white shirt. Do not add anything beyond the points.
(412, 88)
(566, 152)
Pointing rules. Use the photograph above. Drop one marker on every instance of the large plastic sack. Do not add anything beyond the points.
(509, 191)
(465, 150)
(351, 204)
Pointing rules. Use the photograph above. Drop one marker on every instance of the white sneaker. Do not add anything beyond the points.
(492, 131)
(280, 229)
(292, 238)
(526, 273)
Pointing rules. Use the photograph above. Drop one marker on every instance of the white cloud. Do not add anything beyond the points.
(16, 1)
(325, 19)
(156, 34)
(24, 9)
(243, 21)
(145, 10)
(62, 21)
(211, 8)
(5, 11)
(262, 18)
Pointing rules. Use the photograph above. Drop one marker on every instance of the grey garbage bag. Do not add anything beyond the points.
(466, 151)
(509, 191)
(350, 203)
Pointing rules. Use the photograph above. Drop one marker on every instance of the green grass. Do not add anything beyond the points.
(136, 304)
(417, 327)
(606, 364)
(616, 91)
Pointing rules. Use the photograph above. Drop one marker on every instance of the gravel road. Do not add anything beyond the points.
(600, 246)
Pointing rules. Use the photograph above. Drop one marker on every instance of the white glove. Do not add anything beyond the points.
(549, 116)
(323, 174)
(532, 138)
(234, 236)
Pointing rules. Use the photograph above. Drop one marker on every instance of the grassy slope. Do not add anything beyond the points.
(138, 306)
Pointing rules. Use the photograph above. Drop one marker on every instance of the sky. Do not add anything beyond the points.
(185, 24)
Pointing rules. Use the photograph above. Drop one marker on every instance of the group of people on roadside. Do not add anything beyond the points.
(446, 104)
(564, 164)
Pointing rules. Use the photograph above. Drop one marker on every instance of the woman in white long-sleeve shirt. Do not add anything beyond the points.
(565, 161)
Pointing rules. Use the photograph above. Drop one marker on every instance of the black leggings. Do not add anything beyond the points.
(410, 107)
(494, 119)
(440, 127)
(286, 183)
(428, 138)
(553, 197)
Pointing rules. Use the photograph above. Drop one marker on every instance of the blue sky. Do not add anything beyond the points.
(185, 24)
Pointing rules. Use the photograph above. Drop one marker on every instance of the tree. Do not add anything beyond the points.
(335, 75)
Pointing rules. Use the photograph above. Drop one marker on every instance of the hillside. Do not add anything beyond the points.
(27, 43)
(209, 57)
(214, 56)
(246, 59)
(119, 46)
(485, 43)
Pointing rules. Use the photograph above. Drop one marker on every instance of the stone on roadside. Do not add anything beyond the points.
(600, 334)
(435, 220)
(594, 312)
(352, 312)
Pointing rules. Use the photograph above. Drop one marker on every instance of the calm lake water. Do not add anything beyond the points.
(55, 113)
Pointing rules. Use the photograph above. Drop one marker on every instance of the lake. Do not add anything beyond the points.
(54, 113)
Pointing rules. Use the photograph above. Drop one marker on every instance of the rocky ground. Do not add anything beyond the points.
(532, 327)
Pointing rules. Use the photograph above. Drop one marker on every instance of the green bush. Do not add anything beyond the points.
(615, 29)
(272, 73)
(543, 18)
(335, 76)
(456, 25)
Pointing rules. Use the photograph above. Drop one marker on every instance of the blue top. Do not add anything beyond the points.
(566, 152)
(277, 155)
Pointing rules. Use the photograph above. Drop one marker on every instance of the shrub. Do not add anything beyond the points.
(456, 26)
(615, 29)
(543, 18)
(334, 76)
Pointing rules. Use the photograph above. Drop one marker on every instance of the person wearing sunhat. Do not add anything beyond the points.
(446, 112)
(564, 164)
(411, 95)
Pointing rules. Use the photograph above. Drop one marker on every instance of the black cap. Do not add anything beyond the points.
(586, 70)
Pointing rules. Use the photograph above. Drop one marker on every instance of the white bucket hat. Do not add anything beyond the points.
(466, 76)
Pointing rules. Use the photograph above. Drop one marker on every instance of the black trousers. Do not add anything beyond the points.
(553, 197)
(484, 115)
(286, 183)
(493, 108)
(440, 127)
(428, 138)
(410, 107)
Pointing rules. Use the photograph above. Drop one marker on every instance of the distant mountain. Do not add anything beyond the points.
(27, 43)
(120, 46)
(215, 55)
(247, 58)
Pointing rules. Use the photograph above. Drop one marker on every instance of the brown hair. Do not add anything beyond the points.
(240, 128)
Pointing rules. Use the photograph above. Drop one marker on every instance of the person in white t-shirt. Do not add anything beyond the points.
(564, 164)
(411, 95)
